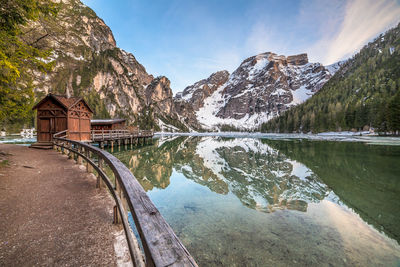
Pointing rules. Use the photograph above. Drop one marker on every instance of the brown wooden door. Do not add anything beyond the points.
(44, 126)
(60, 124)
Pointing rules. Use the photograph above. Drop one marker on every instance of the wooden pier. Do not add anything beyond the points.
(111, 138)
(120, 137)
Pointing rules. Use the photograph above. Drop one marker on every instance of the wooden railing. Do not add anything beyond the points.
(119, 134)
(161, 247)
(62, 134)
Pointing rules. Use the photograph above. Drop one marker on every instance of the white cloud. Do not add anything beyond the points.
(362, 21)
(261, 39)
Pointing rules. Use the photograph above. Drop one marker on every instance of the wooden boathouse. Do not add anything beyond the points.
(57, 113)
(108, 124)
(70, 117)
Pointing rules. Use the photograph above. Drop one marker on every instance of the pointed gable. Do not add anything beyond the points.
(65, 102)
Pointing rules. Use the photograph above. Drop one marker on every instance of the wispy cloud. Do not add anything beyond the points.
(362, 21)
(263, 38)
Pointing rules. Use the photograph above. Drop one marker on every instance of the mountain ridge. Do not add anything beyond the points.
(259, 89)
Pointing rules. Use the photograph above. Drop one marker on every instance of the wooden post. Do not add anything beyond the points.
(79, 158)
(70, 153)
(89, 167)
(117, 215)
(99, 183)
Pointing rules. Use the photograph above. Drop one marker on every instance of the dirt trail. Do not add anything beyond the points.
(51, 213)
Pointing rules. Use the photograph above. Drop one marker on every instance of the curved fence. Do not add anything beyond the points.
(161, 247)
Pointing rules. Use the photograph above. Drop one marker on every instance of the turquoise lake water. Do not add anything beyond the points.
(262, 202)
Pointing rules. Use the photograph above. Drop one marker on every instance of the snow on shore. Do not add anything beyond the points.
(328, 136)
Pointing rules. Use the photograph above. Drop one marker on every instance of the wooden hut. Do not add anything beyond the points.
(108, 124)
(59, 113)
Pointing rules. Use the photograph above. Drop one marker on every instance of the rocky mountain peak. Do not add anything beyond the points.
(269, 59)
(203, 87)
(262, 87)
(300, 59)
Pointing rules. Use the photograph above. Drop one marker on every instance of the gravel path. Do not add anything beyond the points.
(51, 213)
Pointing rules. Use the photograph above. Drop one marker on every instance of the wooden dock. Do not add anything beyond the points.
(120, 137)
(113, 138)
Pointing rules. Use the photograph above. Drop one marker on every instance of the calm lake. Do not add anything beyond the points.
(262, 202)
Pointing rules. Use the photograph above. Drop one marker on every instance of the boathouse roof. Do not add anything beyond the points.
(106, 121)
(64, 101)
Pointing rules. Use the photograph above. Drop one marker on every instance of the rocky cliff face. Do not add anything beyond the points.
(159, 93)
(188, 102)
(197, 92)
(262, 87)
(88, 63)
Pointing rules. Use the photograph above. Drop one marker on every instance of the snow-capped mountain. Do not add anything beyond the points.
(261, 88)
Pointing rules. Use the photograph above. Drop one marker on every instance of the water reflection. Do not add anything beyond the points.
(364, 177)
(252, 202)
(260, 176)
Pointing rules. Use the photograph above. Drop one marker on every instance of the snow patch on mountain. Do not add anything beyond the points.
(207, 115)
(333, 68)
(300, 95)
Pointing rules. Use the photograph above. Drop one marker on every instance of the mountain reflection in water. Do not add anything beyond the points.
(260, 176)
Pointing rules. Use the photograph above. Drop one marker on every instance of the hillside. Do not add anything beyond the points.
(363, 93)
(88, 63)
(261, 88)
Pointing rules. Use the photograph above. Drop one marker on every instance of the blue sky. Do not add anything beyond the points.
(187, 40)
